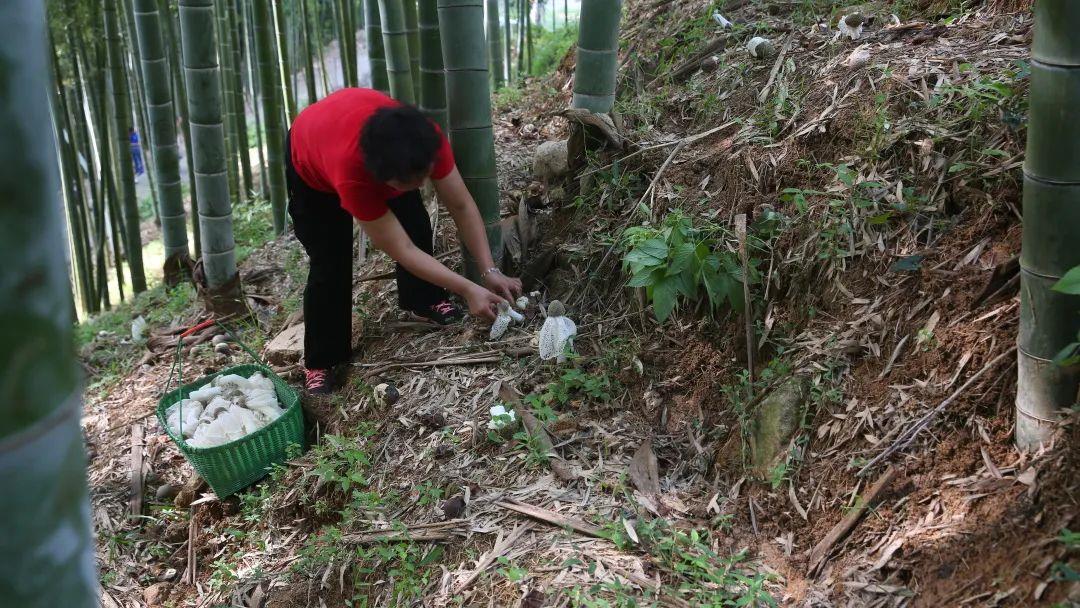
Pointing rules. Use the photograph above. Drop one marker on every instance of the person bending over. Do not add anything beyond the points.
(359, 153)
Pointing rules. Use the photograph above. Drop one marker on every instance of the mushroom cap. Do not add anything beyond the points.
(504, 308)
(556, 309)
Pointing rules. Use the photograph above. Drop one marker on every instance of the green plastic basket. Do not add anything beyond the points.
(233, 466)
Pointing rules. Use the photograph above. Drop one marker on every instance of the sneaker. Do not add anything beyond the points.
(317, 381)
(441, 313)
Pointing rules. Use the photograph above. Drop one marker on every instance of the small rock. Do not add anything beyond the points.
(454, 507)
(858, 58)
(776, 420)
(222, 348)
(710, 63)
(156, 594)
(287, 347)
(219, 339)
(759, 48)
(550, 159)
(443, 451)
(166, 491)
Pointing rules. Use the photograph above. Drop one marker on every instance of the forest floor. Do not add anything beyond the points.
(881, 180)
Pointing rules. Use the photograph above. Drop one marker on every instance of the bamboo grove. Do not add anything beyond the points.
(129, 77)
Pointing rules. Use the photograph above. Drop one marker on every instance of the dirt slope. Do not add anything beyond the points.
(881, 181)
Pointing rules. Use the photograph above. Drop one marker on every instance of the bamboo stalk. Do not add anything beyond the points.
(202, 75)
(395, 40)
(494, 37)
(285, 61)
(121, 103)
(380, 79)
(47, 545)
(597, 55)
(432, 78)
(309, 62)
(1051, 227)
(162, 136)
(412, 36)
(461, 23)
(272, 113)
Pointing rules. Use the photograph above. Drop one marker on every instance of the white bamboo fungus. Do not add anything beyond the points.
(229, 408)
(557, 333)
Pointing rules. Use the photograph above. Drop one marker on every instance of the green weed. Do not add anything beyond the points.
(681, 260)
(550, 47)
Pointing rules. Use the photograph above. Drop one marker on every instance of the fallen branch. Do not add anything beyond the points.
(537, 431)
(551, 517)
(432, 532)
(501, 547)
(193, 531)
(378, 368)
(844, 527)
(905, 438)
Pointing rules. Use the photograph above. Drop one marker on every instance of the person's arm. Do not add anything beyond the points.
(387, 235)
(455, 196)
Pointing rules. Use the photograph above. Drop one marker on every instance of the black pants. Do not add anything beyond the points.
(326, 232)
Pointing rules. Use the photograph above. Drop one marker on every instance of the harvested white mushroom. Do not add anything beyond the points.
(205, 394)
(557, 333)
(183, 416)
(759, 48)
(503, 320)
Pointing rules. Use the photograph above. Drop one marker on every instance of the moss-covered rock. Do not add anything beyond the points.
(774, 422)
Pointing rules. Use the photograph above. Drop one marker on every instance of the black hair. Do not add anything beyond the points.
(398, 142)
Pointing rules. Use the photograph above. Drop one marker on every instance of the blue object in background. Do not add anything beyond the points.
(136, 152)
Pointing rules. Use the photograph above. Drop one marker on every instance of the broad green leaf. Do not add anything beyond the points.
(682, 259)
(1070, 283)
(663, 298)
(646, 277)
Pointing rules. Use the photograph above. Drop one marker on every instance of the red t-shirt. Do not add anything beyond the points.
(325, 139)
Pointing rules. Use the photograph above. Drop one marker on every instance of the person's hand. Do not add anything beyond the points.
(500, 284)
(483, 303)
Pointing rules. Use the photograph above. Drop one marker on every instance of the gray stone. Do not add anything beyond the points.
(286, 347)
(550, 160)
(774, 422)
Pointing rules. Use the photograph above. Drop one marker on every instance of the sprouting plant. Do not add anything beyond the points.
(680, 260)
(1069, 284)
(428, 494)
(512, 573)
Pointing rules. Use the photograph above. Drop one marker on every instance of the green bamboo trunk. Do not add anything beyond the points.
(281, 30)
(528, 37)
(71, 182)
(322, 48)
(162, 135)
(240, 129)
(106, 138)
(256, 95)
(142, 119)
(494, 37)
(121, 102)
(1049, 320)
(46, 546)
(228, 99)
(309, 54)
(272, 114)
(597, 55)
(432, 77)
(395, 39)
(461, 24)
(412, 35)
(380, 79)
(203, 78)
(341, 19)
(180, 92)
(506, 39)
(522, 17)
